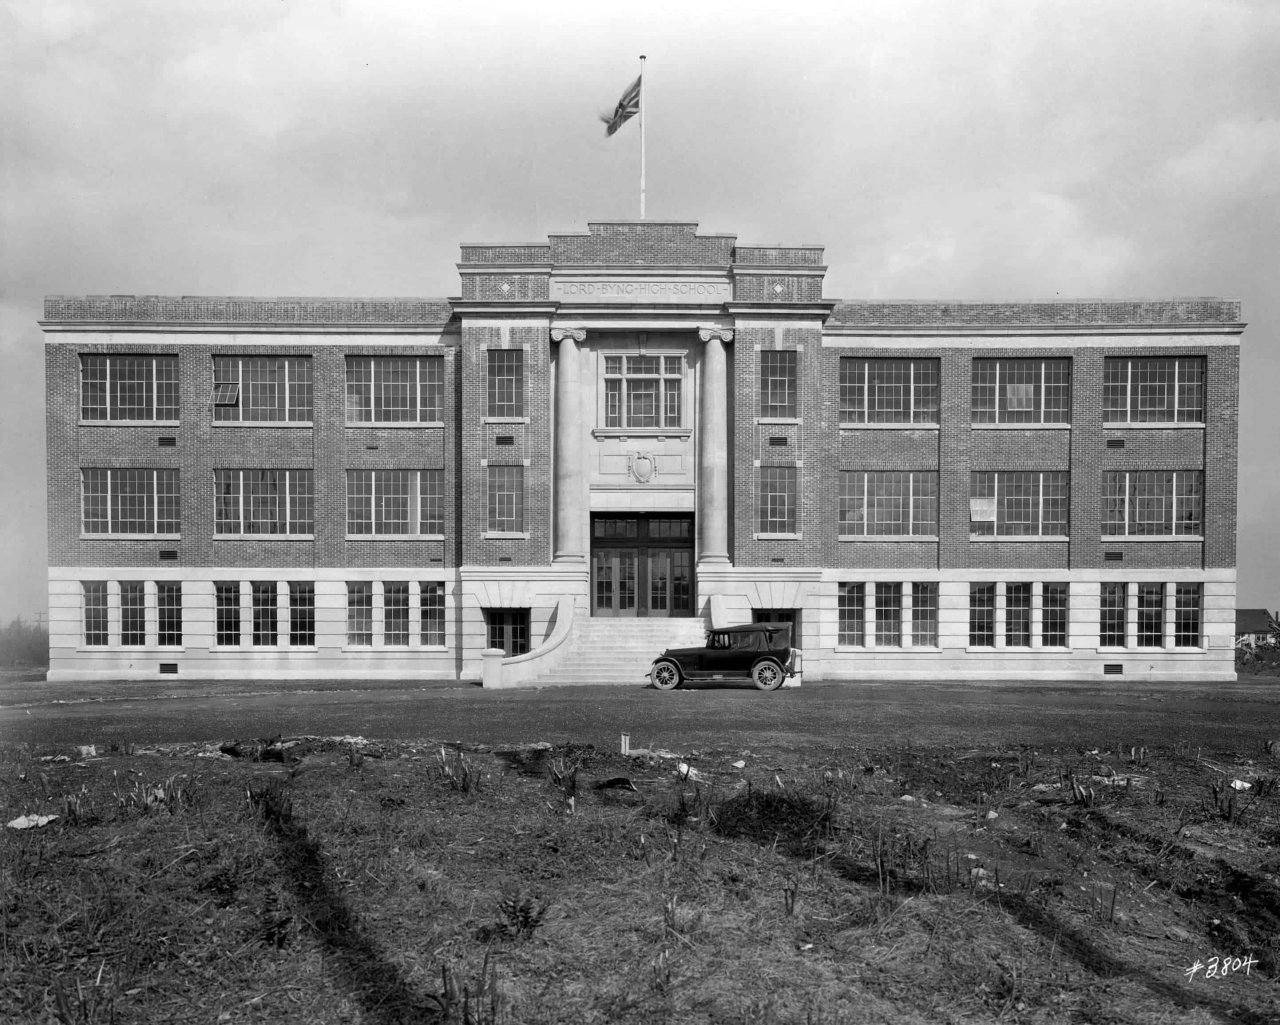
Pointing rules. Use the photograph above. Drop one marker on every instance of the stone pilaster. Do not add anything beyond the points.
(570, 493)
(713, 466)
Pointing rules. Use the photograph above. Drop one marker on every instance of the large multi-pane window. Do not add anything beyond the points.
(133, 612)
(888, 502)
(264, 502)
(227, 612)
(1017, 615)
(264, 613)
(924, 615)
(777, 506)
(1186, 615)
(1021, 391)
(1153, 502)
(395, 613)
(643, 391)
(394, 389)
(1150, 615)
(129, 388)
(131, 501)
(1153, 390)
(778, 384)
(1019, 503)
(169, 613)
(255, 389)
(506, 383)
(851, 605)
(1056, 601)
(360, 614)
(888, 614)
(302, 613)
(432, 613)
(95, 613)
(508, 629)
(395, 502)
(1113, 613)
(982, 615)
(888, 391)
(506, 499)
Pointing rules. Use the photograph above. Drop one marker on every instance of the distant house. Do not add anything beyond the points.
(1256, 626)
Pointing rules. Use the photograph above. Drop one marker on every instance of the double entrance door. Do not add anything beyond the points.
(641, 565)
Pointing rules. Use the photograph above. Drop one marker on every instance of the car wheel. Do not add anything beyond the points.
(767, 675)
(665, 675)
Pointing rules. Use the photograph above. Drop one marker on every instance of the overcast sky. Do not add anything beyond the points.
(954, 150)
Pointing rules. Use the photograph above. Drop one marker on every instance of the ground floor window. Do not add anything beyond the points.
(169, 613)
(1186, 616)
(227, 612)
(133, 613)
(982, 615)
(360, 614)
(508, 629)
(95, 613)
(1055, 607)
(433, 614)
(1113, 613)
(1017, 615)
(892, 623)
(395, 613)
(924, 615)
(264, 613)
(302, 613)
(1150, 615)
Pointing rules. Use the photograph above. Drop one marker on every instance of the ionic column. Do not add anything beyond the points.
(569, 495)
(713, 466)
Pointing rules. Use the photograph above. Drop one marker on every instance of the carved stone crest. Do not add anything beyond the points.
(642, 466)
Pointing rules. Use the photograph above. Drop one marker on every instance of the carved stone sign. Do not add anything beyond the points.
(640, 290)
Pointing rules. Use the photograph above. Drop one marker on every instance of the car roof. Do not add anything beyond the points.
(750, 628)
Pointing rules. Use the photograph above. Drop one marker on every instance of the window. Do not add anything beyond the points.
(889, 615)
(506, 383)
(1113, 615)
(1056, 599)
(924, 615)
(433, 614)
(360, 614)
(1010, 503)
(1017, 615)
(262, 389)
(227, 612)
(133, 613)
(264, 502)
(852, 608)
(389, 390)
(1021, 391)
(506, 499)
(1150, 615)
(1186, 615)
(888, 502)
(888, 391)
(302, 613)
(982, 615)
(95, 613)
(777, 511)
(131, 502)
(778, 384)
(264, 613)
(643, 391)
(1146, 503)
(1153, 390)
(395, 502)
(129, 388)
(508, 629)
(395, 613)
(169, 613)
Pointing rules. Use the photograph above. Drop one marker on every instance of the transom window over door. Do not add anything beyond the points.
(643, 391)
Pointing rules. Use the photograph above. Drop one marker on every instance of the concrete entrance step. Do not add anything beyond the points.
(618, 651)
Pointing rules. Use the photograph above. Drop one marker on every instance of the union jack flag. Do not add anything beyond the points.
(627, 108)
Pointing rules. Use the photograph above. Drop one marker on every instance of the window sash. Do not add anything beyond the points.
(852, 604)
(1019, 503)
(262, 389)
(395, 613)
(129, 388)
(1165, 390)
(96, 618)
(1153, 503)
(1055, 614)
(432, 601)
(506, 383)
(506, 499)
(1187, 614)
(302, 613)
(360, 614)
(265, 602)
(1017, 615)
(777, 508)
(227, 613)
(169, 613)
(924, 615)
(1021, 391)
(982, 615)
(130, 501)
(643, 391)
(1150, 615)
(1113, 615)
(778, 396)
(133, 613)
(888, 502)
(888, 613)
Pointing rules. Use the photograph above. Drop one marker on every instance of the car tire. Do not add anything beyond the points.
(665, 675)
(767, 675)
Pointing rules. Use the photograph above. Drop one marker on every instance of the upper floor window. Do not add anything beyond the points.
(131, 501)
(388, 389)
(778, 384)
(776, 512)
(1153, 390)
(888, 391)
(506, 383)
(1013, 503)
(643, 391)
(1021, 391)
(506, 499)
(1153, 502)
(891, 502)
(395, 502)
(129, 388)
(260, 389)
(264, 502)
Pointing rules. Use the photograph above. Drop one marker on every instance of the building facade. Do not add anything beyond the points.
(632, 428)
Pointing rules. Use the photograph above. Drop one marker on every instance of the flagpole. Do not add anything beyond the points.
(642, 105)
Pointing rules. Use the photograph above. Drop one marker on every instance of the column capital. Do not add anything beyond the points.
(720, 334)
(574, 334)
